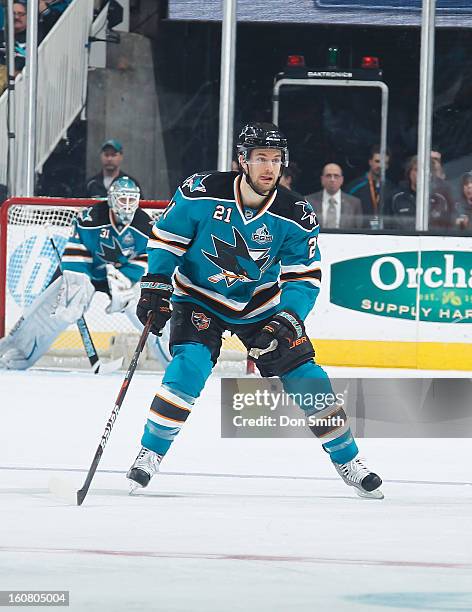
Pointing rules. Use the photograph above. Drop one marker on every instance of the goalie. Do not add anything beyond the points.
(106, 252)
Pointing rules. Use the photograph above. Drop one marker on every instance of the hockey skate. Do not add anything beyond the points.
(357, 475)
(143, 469)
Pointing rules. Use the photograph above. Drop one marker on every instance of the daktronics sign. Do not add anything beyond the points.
(434, 286)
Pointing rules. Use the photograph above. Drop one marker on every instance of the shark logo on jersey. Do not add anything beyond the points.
(237, 261)
(262, 235)
(86, 214)
(114, 253)
(195, 182)
(308, 212)
(200, 321)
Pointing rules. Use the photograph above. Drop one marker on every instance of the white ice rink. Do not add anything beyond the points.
(246, 525)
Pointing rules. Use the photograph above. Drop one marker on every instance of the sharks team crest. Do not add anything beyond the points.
(237, 261)
(307, 212)
(195, 182)
(114, 253)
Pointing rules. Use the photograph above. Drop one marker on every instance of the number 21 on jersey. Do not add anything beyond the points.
(222, 213)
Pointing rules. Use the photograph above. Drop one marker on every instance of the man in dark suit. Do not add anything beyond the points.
(334, 208)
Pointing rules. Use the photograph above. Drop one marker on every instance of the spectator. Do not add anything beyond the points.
(367, 188)
(403, 203)
(19, 24)
(462, 216)
(437, 168)
(290, 176)
(334, 208)
(111, 157)
(49, 13)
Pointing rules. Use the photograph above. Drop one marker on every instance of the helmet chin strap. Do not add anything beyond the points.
(253, 187)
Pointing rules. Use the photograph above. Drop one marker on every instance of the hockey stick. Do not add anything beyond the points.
(61, 488)
(97, 366)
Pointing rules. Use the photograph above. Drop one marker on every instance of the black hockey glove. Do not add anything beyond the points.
(284, 328)
(156, 291)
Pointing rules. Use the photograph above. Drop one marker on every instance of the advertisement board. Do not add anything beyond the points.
(395, 300)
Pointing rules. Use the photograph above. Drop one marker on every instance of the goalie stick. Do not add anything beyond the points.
(63, 489)
(97, 366)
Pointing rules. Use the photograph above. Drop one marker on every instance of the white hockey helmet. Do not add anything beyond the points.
(123, 198)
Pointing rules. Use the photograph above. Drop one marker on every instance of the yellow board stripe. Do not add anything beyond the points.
(384, 354)
(72, 340)
(355, 353)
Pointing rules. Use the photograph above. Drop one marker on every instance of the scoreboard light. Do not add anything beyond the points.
(370, 62)
(334, 53)
(296, 61)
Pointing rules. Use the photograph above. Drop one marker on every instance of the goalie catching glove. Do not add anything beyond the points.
(122, 291)
(281, 345)
(156, 291)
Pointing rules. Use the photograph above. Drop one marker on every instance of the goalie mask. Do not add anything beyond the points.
(261, 136)
(123, 199)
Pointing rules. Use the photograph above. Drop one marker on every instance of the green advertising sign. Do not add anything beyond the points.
(435, 284)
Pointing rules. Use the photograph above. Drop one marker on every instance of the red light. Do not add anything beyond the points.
(295, 60)
(370, 61)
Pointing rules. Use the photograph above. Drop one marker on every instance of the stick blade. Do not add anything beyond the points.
(110, 366)
(64, 490)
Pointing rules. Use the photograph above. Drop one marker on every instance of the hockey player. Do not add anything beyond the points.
(244, 257)
(106, 252)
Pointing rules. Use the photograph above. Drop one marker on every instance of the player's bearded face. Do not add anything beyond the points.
(264, 168)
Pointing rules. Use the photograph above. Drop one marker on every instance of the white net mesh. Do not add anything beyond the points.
(31, 261)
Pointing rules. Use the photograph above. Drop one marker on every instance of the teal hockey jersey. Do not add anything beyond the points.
(97, 240)
(242, 264)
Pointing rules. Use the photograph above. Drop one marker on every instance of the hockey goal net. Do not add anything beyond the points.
(27, 263)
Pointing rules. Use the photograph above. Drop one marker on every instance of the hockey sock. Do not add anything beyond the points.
(311, 384)
(343, 448)
(183, 382)
(167, 414)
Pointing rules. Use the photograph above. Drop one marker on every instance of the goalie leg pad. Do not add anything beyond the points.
(158, 346)
(34, 333)
(75, 293)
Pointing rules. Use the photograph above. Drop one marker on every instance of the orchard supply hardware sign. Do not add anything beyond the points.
(388, 285)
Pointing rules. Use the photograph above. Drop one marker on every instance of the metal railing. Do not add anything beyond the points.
(61, 93)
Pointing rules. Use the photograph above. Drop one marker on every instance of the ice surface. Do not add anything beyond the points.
(229, 525)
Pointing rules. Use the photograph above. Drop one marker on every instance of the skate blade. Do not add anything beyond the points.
(134, 486)
(376, 494)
